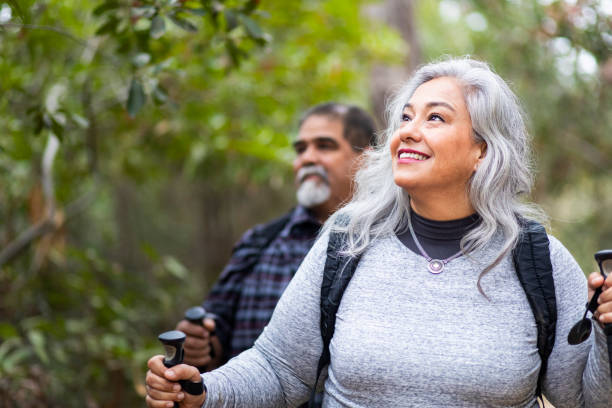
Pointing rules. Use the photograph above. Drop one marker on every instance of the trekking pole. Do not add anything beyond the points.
(196, 315)
(173, 344)
(582, 330)
(604, 260)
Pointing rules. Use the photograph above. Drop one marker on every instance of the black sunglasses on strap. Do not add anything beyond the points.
(582, 330)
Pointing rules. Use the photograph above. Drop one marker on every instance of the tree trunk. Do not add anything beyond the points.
(384, 80)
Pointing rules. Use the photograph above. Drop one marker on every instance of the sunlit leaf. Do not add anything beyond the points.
(81, 121)
(252, 27)
(136, 97)
(12, 360)
(176, 268)
(37, 339)
(158, 27)
(143, 11)
(141, 59)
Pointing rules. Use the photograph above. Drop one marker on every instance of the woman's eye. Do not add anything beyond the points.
(436, 117)
(405, 117)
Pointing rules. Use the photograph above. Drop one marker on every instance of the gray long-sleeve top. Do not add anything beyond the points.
(407, 338)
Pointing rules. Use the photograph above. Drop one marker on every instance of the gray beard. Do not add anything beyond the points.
(312, 193)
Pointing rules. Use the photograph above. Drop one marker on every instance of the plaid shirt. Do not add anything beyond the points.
(253, 281)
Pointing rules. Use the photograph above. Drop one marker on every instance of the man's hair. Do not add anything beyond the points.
(358, 125)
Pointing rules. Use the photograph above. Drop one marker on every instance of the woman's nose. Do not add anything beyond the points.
(410, 131)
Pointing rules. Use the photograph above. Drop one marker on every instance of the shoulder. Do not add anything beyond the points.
(570, 281)
(261, 234)
(560, 256)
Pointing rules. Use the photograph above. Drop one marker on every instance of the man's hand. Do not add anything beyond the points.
(603, 314)
(199, 342)
(163, 388)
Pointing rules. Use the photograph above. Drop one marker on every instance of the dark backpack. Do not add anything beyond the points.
(531, 258)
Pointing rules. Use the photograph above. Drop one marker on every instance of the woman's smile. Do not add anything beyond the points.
(410, 156)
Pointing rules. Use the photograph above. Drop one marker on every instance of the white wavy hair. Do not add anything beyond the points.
(379, 207)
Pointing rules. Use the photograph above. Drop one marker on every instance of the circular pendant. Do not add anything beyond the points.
(435, 266)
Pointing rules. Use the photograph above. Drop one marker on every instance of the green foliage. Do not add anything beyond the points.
(174, 120)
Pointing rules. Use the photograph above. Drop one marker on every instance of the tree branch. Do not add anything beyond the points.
(47, 173)
(74, 208)
(47, 28)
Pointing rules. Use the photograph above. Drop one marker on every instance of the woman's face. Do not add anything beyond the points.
(433, 151)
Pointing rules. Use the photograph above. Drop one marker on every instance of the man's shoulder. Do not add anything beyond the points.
(261, 234)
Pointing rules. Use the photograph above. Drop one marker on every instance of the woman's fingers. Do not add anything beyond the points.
(163, 387)
(604, 311)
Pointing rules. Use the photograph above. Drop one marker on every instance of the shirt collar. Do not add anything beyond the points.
(300, 216)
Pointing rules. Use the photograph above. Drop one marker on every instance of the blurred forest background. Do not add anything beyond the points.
(140, 138)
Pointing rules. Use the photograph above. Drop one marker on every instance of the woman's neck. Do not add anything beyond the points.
(441, 208)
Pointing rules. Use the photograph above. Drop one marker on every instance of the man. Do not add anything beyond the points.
(328, 149)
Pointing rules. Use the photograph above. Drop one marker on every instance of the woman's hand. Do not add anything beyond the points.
(163, 388)
(603, 314)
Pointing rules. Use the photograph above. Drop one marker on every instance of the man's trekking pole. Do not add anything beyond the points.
(196, 315)
(173, 344)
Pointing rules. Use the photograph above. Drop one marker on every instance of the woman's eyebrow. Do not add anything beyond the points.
(432, 104)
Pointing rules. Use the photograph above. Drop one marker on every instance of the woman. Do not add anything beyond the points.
(445, 183)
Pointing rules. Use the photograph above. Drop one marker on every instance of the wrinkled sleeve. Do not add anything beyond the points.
(577, 376)
(222, 301)
(280, 369)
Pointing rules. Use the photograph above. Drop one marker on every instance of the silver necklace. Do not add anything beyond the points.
(434, 266)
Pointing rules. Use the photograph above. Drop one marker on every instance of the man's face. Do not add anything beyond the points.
(325, 165)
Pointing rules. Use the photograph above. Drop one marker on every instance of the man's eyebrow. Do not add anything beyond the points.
(432, 104)
(317, 139)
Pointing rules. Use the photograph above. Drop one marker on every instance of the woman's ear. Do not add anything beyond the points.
(483, 154)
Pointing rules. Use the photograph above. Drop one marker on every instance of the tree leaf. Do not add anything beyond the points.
(195, 11)
(141, 59)
(172, 265)
(252, 28)
(39, 123)
(7, 330)
(106, 6)
(160, 96)
(38, 343)
(158, 27)
(18, 11)
(230, 19)
(136, 97)
(144, 11)
(57, 127)
(183, 23)
(108, 27)
(234, 52)
(81, 121)
(250, 6)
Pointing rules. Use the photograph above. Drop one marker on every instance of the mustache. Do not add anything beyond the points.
(312, 170)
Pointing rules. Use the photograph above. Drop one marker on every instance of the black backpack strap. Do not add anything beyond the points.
(534, 269)
(338, 271)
